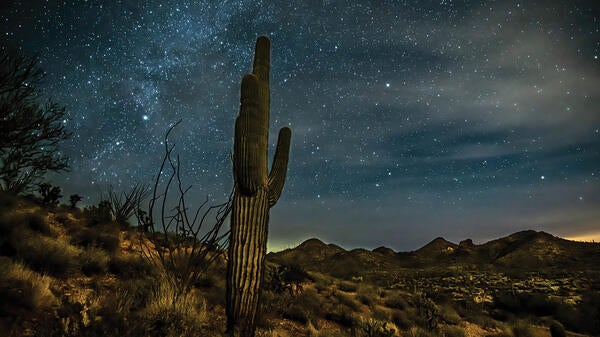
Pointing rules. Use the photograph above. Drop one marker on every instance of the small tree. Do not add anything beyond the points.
(50, 194)
(74, 199)
(29, 130)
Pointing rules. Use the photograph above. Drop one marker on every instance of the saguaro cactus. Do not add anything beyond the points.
(256, 191)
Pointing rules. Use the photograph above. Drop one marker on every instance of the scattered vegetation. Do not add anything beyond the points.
(69, 275)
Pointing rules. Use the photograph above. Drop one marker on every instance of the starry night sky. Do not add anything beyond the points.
(410, 119)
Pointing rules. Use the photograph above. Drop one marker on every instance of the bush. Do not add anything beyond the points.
(34, 221)
(366, 295)
(98, 214)
(342, 315)
(105, 237)
(170, 315)
(94, 261)
(44, 254)
(24, 289)
(348, 301)
(298, 313)
(557, 329)
(347, 287)
(396, 302)
(400, 318)
(130, 266)
(375, 328)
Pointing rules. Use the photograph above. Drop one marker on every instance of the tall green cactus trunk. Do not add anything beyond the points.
(256, 191)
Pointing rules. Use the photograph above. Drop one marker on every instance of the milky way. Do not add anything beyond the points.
(410, 119)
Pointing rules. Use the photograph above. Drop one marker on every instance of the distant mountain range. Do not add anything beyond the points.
(525, 250)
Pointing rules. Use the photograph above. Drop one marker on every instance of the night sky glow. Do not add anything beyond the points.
(410, 119)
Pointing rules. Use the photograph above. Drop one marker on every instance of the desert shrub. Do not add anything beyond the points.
(395, 302)
(366, 295)
(347, 300)
(374, 328)
(298, 313)
(34, 221)
(23, 288)
(94, 261)
(380, 314)
(557, 329)
(530, 303)
(401, 319)
(448, 314)
(342, 315)
(348, 287)
(98, 214)
(103, 237)
(427, 312)
(44, 254)
(130, 266)
(170, 314)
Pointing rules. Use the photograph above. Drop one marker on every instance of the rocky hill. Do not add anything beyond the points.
(525, 250)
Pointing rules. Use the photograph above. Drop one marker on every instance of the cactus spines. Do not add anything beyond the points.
(256, 191)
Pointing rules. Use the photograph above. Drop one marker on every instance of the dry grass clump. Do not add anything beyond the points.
(367, 295)
(395, 302)
(348, 287)
(347, 300)
(167, 314)
(24, 288)
(31, 219)
(44, 254)
(94, 261)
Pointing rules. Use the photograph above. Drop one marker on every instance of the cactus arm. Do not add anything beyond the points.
(279, 169)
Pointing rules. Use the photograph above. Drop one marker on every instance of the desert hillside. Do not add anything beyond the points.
(68, 271)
